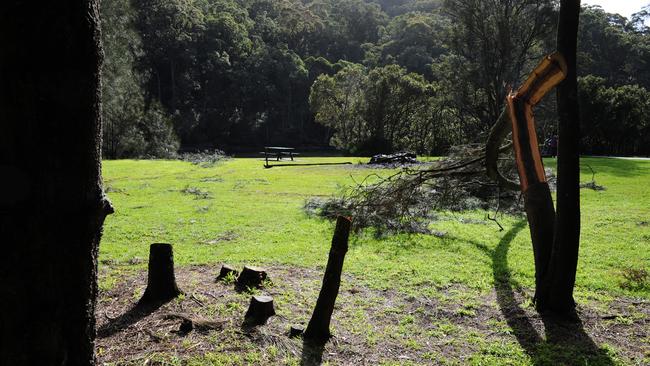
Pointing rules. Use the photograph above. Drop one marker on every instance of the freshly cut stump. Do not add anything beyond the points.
(161, 282)
(227, 270)
(251, 277)
(260, 310)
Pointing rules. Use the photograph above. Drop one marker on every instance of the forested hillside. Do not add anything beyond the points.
(361, 76)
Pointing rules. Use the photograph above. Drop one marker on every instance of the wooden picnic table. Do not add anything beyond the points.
(277, 152)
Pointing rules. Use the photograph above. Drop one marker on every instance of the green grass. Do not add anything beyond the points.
(238, 212)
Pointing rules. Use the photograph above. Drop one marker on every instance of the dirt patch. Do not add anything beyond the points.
(370, 326)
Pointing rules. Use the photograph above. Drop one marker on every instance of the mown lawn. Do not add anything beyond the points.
(239, 213)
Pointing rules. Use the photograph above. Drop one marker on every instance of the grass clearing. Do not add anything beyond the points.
(240, 213)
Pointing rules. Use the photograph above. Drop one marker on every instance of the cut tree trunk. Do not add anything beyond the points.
(260, 310)
(318, 329)
(227, 270)
(161, 281)
(52, 205)
(251, 277)
(296, 331)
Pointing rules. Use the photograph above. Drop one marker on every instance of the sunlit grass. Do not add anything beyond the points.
(239, 212)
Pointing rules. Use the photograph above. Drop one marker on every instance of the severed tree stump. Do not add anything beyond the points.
(161, 282)
(251, 277)
(260, 310)
(227, 270)
(318, 329)
(296, 331)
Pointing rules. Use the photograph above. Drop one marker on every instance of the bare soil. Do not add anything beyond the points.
(370, 326)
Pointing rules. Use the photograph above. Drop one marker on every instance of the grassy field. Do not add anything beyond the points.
(239, 213)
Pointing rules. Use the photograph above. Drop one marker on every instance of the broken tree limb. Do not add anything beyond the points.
(544, 78)
(498, 133)
(318, 329)
(161, 281)
(537, 195)
(199, 324)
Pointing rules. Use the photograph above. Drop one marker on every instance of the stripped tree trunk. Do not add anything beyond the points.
(52, 205)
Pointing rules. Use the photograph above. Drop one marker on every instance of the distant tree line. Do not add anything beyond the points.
(362, 76)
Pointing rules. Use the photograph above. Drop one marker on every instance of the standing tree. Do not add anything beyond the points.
(557, 291)
(555, 235)
(52, 205)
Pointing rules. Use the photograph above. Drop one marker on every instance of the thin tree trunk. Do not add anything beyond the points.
(52, 205)
(558, 296)
(318, 329)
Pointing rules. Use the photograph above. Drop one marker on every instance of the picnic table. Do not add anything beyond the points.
(277, 152)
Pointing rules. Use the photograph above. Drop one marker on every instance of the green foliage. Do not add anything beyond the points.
(615, 120)
(494, 46)
(232, 73)
(130, 129)
(381, 110)
(614, 48)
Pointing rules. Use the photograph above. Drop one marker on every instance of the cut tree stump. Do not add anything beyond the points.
(161, 282)
(296, 331)
(227, 270)
(318, 329)
(251, 277)
(260, 310)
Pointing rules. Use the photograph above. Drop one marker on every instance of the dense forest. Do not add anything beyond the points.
(361, 76)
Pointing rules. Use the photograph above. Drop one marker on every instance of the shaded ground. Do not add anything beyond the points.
(371, 326)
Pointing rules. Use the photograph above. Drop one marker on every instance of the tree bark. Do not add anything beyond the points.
(558, 293)
(318, 329)
(52, 205)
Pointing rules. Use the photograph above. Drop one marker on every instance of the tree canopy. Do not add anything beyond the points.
(420, 75)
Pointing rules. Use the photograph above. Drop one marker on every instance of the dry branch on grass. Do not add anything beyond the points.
(407, 200)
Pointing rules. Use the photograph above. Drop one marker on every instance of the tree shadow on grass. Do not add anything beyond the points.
(132, 316)
(564, 342)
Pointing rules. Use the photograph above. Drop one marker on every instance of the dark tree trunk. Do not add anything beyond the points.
(558, 295)
(52, 205)
(318, 329)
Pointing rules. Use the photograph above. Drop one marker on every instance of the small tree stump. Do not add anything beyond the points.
(318, 329)
(260, 310)
(296, 331)
(227, 270)
(161, 282)
(251, 277)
